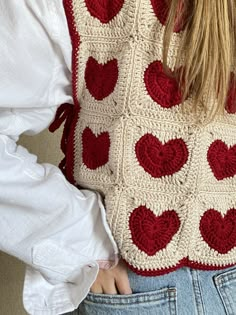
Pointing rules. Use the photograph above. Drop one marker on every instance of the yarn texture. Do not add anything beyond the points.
(168, 181)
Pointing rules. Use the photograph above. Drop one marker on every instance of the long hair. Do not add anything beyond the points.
(208, 44)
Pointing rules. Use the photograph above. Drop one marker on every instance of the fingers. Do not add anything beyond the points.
(114, 281)
(120, 286)
(122, 279)
(96, 288)
(105, 283)
(123, 285)
(110, 288)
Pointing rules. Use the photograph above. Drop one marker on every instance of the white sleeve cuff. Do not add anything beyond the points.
(60, 277)
(42, 297)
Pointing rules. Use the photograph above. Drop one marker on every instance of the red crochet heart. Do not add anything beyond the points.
(95, 149)
(104, 10)
(101, 79)
(163, 89)
(161, 159)
(231, 99)
(160, 8)
(152, 233)
(219, 232)
(222, 159)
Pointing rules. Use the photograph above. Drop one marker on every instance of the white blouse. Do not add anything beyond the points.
(59, 231)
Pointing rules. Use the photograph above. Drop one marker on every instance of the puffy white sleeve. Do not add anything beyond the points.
(60, 232)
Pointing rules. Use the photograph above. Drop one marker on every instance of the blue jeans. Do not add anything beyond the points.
(183, 292)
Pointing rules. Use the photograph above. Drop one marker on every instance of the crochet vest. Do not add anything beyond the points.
(169, 183)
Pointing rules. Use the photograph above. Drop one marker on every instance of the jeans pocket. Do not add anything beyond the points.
(226, 286)
(160, 302)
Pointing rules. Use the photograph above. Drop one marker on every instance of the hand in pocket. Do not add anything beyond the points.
(113, 281)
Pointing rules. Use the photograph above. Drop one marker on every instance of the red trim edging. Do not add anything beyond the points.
(183, 263)
(75, 40)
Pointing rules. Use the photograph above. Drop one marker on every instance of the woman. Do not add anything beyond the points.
(152, 130)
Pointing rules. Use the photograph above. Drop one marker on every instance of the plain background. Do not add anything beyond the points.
(47, 147)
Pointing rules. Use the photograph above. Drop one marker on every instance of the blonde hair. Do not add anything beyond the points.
(208, 43)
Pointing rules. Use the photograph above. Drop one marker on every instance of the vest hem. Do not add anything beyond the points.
(183, 263)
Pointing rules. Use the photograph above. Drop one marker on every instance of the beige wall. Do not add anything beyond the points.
(47, 147)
